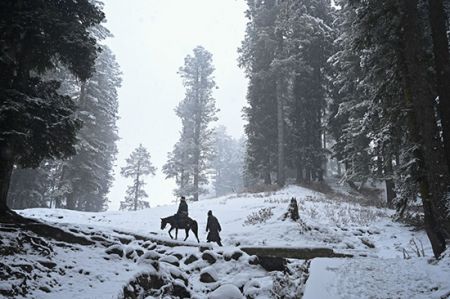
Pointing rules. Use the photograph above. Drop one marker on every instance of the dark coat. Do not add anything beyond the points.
(183, 208)
(214, 228)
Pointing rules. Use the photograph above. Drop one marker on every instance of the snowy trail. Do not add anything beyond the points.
(322, 278)
(376, 278)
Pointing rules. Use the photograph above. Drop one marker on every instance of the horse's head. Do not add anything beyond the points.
(163, 223)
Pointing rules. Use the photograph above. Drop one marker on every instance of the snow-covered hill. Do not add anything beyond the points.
(333, 222)
(377, 270)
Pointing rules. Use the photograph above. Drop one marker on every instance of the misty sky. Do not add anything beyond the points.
(151, 39)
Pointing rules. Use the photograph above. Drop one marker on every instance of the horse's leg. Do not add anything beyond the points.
(196, 235)
(176, 233)
(194, 228)
(171, 228)
(187, 233)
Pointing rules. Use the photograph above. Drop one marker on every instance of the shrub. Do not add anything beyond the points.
(261, 216)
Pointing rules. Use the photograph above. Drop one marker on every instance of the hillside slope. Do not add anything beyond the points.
(377, 270)
(337, 224)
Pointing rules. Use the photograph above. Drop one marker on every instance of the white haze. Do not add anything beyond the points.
(151, 39)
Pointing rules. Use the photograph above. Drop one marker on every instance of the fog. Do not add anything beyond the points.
(151, 39)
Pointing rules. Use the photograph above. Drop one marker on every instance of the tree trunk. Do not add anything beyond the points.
(433, 175)
(325, 160)
(390, 193)
(319, 163)
(339, 170)
(82, 98)
(442, 66)
(13, 202)
(73, 200)
(196, 177)
(182, 180)
(390, 185)
(267, 178)
(196, 184)
(136, 191)
(299, 174)
(280, 87)
(70, 201)
(59, 186)
(197, 136)
(379, 162)
(352, 185)
(308, 174)
(6, 167)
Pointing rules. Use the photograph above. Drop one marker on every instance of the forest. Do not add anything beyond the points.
(342, 95)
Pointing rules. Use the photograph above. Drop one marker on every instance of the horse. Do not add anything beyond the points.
(187, 224)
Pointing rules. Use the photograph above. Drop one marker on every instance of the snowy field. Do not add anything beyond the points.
(390, 259)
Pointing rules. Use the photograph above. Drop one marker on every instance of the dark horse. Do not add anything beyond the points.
(187, 224)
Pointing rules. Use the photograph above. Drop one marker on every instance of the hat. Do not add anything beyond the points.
(209, 213)
(183, 198)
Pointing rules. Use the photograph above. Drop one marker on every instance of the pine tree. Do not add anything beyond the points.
(228, 163)
(307, 32)
(363, 101)
(177, 166)
(89, 174)
(49, 171)
(138, 166)
(82, 182)
(434, 177)
(36, 121)
(191, 157)
(441, 52)
(257, 54)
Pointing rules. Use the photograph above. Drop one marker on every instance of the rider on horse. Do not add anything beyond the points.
(182, 212)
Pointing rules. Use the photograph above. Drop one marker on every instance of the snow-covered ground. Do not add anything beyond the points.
(378, 269)
(332, 222)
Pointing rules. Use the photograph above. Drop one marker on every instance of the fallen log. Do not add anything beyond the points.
(12, 220)
(303, 253)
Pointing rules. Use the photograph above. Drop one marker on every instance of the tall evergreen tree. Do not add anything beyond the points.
(434, 177)
(177, 167)
(349, 102)
(89, 174)
(257, 54)
(138, 166)
(439, 28)
(228, 163)
(306, 29)
(83, 181)
(191, 158)
(36, 121)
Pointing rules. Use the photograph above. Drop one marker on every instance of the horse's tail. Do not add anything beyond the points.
(194, 228)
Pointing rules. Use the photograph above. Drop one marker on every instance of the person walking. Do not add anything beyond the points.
(213, 226)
